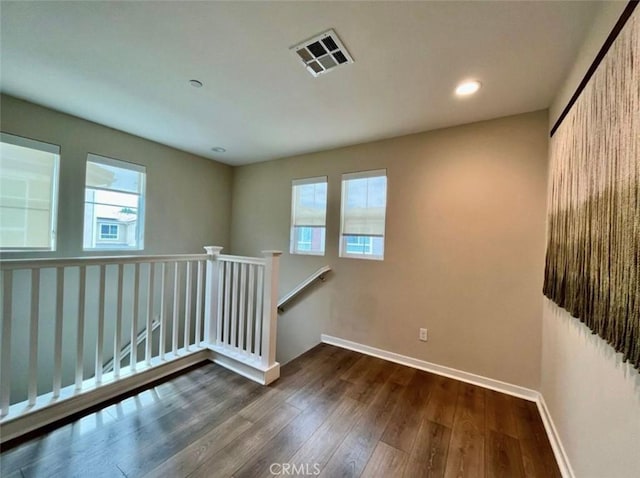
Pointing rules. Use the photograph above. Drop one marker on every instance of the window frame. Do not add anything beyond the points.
(109, 235)
(46, 147)
(294, 237)
(343, 238)
(141, 215)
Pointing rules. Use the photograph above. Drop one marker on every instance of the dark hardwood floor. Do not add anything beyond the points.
(332, 413)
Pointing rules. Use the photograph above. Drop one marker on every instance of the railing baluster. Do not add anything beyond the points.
(163, 267)
(176, 308)
(149, 340)
(187, 307)
(243, 297)
(33, 336)
(7, 301)
(227, 299)
(221, 301)
(82, 277)
(250, 312)
(133, 354)
(234, 307)
(100, 334)
(117, 335)
(57, 348)
(200, 285)
(257, 330)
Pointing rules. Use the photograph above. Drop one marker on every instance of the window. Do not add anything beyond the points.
(109, 231)
(364, 202)
(308, 216)
(114, 204)
(28, 193)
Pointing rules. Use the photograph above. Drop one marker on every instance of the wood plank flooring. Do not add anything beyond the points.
(333, 413)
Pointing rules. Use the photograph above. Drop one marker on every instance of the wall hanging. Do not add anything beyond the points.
(593, 250)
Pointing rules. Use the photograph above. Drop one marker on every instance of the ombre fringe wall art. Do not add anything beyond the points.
(593, 250)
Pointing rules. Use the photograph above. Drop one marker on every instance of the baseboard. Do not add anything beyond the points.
(554, 438)
(239, 365)
(43, 415)
(479, 380)
(497, 385)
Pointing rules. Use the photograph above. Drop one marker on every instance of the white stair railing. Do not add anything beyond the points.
(63, 319)
(241, 313)
(127, 350)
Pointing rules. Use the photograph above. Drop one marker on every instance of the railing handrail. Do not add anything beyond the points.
(319, 274)
(50, 262)
(242, 259)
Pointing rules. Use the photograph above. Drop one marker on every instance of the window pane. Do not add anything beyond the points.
(28, 185)
(362, 227)
(308, 215)
(308, 240)
(111, 177)
(114, 205)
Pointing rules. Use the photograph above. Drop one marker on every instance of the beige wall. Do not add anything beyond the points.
(188, 197)
(464, 248)
(593, 398)
(188, 201)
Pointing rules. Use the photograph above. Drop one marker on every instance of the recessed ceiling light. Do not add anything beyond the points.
(218, 149)
(195, 83)
(467, 88)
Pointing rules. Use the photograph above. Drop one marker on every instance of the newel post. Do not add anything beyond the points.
(270, 307)
(211, 294)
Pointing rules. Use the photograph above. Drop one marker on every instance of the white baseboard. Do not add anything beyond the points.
(47, 411)
(479, 380)
(497, 385)
(252, 370)
(554, 438)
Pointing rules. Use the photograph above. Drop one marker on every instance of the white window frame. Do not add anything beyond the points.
(55, 184)
(293, 242)
(141, 226)
(375, 173)
(108, 236)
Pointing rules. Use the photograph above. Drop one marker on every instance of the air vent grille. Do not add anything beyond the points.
(322, 53)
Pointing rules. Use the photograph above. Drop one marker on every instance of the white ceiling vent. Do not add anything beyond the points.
(322, 53)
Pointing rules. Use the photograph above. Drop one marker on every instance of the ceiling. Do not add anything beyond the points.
(127, 65)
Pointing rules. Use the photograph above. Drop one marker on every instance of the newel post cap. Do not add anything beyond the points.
(213, 250)
(271, 253)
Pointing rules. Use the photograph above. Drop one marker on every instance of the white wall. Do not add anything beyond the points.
(593, 398)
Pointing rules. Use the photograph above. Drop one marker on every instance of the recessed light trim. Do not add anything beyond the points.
(467, 88)
(218, 149)
(195, 83)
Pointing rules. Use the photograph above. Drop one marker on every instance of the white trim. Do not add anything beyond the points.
(497, 385)
(49, 413)
(303, 181)
(116, 163)
(30, 143)
(372, 173)
(554, 438)
(243, 365)
(479, 380)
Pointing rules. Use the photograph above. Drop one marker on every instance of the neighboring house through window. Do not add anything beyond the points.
(114, 204)
(108, 231)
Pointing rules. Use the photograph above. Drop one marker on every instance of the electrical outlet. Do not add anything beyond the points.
(423, 335)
